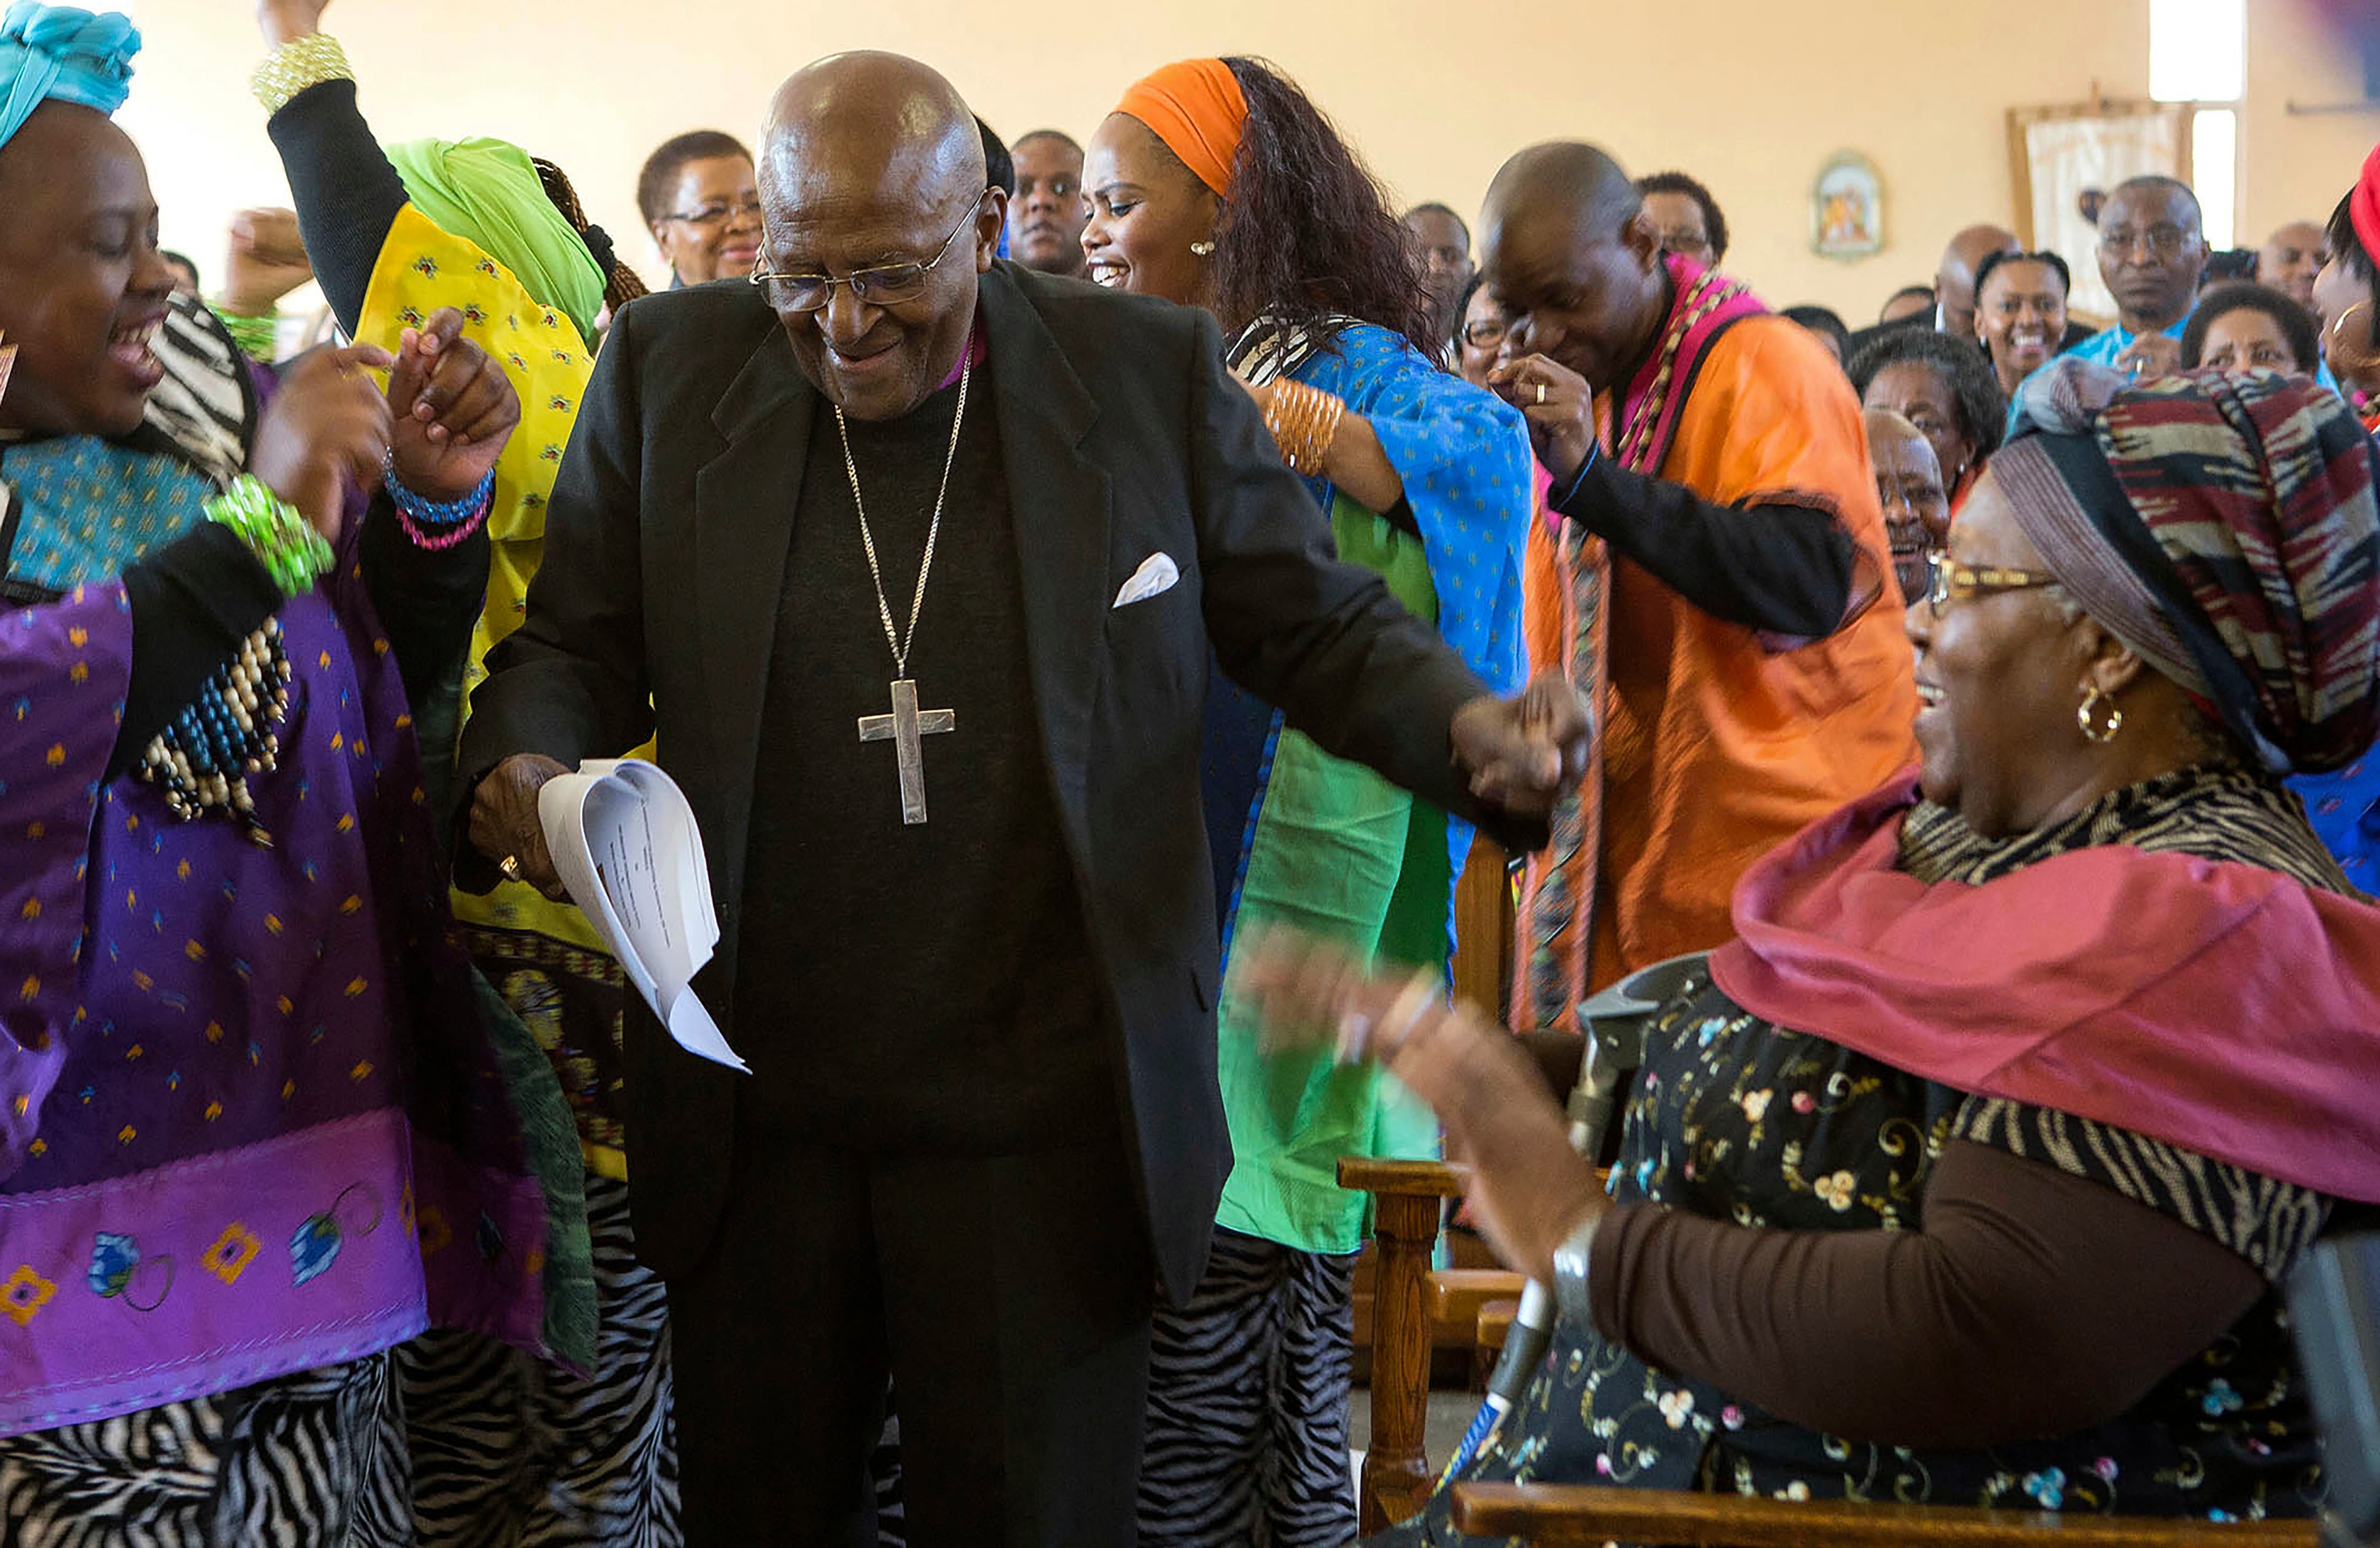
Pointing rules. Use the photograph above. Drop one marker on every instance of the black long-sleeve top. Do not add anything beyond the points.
(1779, 568)
(347, 193)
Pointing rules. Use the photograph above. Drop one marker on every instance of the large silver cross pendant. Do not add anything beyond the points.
(901, 728)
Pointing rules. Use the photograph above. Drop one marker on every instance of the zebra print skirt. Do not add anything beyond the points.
(509, 1452)
(1248, 1388)
(316, 1459)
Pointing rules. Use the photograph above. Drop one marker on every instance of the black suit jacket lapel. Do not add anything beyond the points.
(745, 503)
(1058, 503)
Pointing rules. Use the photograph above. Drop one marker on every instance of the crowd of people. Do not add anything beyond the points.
(1094, 595)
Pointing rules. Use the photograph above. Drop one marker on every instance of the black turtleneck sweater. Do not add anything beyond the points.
(928, 985)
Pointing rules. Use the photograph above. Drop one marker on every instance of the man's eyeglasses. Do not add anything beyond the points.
(716, 212)
(886, 285)
(1950, 581)
(2165, 241)
(1484, 333)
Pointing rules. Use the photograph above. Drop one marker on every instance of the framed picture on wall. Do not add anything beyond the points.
(2064, 161)
(1846, 208)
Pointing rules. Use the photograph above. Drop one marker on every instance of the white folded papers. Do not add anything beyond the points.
(625, 841)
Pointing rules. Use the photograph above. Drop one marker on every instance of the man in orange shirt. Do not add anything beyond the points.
(1719, 587)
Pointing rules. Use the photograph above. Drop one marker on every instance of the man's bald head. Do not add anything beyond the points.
(1565, 250)
(870, 167)
(1954, 280)
(1565, 181)
(874, 120)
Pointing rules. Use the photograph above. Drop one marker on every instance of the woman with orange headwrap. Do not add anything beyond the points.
(1216, 183)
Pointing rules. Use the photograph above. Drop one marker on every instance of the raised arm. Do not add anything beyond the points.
(347, 193)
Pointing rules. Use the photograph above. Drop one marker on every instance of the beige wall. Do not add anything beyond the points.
(1766, 93)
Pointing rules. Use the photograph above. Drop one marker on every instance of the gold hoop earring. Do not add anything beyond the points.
(2365, 355)
(1202, 249)
(2092, 730)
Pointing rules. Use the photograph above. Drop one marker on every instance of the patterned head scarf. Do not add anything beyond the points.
(2225, 529)
(57, 52)
(488, 192)
(1195, 106)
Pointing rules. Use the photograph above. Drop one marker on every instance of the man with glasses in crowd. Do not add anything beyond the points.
(915, 560)
(2152, 251)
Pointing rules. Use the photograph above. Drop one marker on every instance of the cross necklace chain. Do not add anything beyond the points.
(907, 722)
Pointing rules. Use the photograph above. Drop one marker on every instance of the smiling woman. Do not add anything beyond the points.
(1218, 183)
(2021, 311)
(201, 648)
(699, 200)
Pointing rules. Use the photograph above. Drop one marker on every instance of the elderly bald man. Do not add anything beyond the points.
(915, 560)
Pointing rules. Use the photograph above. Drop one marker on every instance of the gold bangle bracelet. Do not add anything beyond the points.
(296, 65)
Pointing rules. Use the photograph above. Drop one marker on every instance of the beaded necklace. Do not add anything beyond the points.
(202, 758)
(1709, 294)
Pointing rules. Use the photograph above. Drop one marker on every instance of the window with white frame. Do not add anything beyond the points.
(2198, 53)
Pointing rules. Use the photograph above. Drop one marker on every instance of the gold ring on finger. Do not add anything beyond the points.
(510, 866)
(1541, 394)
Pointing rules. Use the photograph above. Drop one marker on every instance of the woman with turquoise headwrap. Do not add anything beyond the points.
(252, 1132)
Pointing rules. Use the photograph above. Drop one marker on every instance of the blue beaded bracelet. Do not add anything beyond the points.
(425, 512)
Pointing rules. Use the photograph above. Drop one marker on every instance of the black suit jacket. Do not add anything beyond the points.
(1122, 436)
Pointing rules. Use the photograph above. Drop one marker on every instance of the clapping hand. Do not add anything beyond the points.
(455, 408)
(1528, 1188)
(1523, 753)
(264, 259)
(327, 425)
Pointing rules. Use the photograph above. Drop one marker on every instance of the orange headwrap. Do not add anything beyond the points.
(1197, 108)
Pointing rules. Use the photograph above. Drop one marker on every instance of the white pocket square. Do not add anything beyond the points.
(1157, 573)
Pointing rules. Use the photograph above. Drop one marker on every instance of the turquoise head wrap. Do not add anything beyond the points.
(58, 52)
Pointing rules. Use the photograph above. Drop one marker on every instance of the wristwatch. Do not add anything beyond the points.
(1570, 1272)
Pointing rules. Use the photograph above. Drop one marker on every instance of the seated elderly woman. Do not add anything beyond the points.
(1942, 385)
(254, 1131)
(1966, 1174)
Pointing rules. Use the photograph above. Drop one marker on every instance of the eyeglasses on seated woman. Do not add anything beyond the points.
(1967, 1172)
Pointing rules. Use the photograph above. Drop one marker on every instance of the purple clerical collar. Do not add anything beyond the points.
(975, 350)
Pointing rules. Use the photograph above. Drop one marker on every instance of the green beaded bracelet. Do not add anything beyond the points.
(292, 553)
(255, 335)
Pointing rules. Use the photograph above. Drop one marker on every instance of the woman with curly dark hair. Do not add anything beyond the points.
(1217, 183)
(1944, 386)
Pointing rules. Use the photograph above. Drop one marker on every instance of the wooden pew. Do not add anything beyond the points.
(1562, 1515)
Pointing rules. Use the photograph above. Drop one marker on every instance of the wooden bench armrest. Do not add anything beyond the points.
(1556, 1515)
(1402, 1179)
(1457, 1295)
